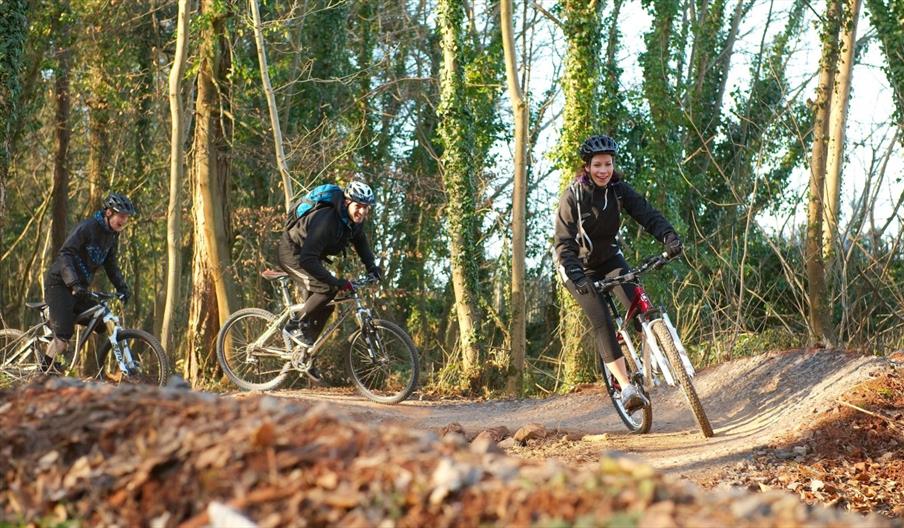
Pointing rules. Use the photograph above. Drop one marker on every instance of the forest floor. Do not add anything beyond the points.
(784, 420)
(792, 429)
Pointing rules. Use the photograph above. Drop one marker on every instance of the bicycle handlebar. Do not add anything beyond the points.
(364, 281)
(104, 296)
(649, 264)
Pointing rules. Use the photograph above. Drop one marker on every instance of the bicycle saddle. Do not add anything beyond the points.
(37, 305)
(270, 274)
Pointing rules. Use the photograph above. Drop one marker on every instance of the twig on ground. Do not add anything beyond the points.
(894, 424)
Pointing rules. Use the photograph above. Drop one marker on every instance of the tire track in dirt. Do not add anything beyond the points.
(749, 401)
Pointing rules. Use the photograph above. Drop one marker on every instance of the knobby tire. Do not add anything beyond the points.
(400, 389)
(268, 380)
(667, 345)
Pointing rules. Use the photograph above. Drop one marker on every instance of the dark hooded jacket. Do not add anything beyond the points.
(601, 211)
(326, 232)
(90, 245)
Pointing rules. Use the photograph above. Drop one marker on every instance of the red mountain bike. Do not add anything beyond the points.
(662, 358)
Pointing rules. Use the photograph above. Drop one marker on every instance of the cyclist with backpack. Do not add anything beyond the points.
(92, 244)
(587, 224)
(320, 226)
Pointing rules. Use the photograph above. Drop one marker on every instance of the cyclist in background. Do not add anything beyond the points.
(308, 242)
(92, 244)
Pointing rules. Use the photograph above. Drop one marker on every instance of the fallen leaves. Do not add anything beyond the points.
(129, 455)
(852, 458)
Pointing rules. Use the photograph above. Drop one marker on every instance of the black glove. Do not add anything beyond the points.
(673, 245)
(124, 294)
(375, 272)
(79, 291)
(582, 286)
(348, 286)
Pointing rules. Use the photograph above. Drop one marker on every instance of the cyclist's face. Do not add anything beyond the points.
(118, 221)
(600, 169)
(358, 211)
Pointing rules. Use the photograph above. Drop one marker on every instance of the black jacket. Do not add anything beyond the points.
(601, 209)
(90, 245)
(325, 232)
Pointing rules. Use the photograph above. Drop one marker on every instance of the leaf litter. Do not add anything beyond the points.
(97, 454)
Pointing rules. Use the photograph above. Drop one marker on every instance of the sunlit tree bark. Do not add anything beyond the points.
(821, 331)
(176, 178)
(519, 199)
(212, 289)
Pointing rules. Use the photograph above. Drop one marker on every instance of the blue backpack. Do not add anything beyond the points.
(326, 195)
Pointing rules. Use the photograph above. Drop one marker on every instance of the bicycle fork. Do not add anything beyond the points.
(651, 349)
(121, 350)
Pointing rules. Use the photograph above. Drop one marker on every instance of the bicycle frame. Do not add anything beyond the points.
(644, 311)
(361, 312)
(101, 314)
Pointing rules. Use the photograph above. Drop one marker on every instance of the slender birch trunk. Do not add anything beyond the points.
(837, 124)
(177, 177)
(519, 200)
(271, 104)
(821, 331)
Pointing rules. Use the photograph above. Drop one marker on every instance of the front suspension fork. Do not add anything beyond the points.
(121, 350)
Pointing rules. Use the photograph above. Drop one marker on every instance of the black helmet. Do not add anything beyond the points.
(597, 145)
(120, 203)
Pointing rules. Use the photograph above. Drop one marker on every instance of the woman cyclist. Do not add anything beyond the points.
(587, 224)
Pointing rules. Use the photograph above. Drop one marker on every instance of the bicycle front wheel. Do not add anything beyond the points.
(383, 363)
(667, 345)
(18, 357)
(147, 354)
(248, 364)
(640, 420)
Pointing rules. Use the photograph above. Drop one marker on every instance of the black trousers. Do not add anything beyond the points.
(64, 307)
(315, 294)
(596, 309)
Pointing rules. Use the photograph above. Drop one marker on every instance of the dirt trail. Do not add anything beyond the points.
(750, 402)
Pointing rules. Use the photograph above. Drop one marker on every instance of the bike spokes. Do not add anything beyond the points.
(383, 363)
(252, 363)
(18, 358)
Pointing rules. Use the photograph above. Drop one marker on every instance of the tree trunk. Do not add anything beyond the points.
(212, 294)
(837, 124)
(583, 34)
(271, 105)
(62, 132)
(177, 176)
(456, 132)
(98, 137)
(821, 331)
(518, 330)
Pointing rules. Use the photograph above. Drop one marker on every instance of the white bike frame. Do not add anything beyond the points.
(652, 354)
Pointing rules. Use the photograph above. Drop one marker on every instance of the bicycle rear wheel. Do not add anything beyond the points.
(640, 420)
(251, 366)
(147, 354)
(18, 357)
(667, 345)
(383, 363)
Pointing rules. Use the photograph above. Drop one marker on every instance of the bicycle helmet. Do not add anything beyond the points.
(360, 192)
(120, 203)
(597, 145)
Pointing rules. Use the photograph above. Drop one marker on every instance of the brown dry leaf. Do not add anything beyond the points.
(265, 436)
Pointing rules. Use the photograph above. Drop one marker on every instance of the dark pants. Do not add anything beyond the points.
(596, 309)
(64, 307)
(315, 294)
